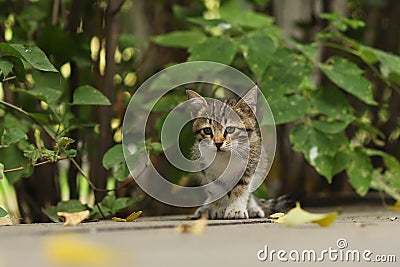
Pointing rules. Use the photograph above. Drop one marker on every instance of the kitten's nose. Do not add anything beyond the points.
(218, 145)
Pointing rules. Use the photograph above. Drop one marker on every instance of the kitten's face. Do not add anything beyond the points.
(223, 125)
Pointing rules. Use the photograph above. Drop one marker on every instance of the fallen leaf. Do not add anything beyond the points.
(74, 218)
(74, 250)
(278, 217)
(298, 216)
(395, 207)
(6, 220)
(197, 227)
(130, 218)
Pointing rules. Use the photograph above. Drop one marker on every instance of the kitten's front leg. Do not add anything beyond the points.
(238, 199)
(215, 210)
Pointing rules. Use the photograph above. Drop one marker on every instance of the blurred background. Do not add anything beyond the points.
(114, 46)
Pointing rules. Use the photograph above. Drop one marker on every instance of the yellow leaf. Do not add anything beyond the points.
(278, 217)
(118, 219)
(74, 218)
(133, 216)
(395, 207)
(197, 227)
(130, 218)
(298, 216)
(73, 250)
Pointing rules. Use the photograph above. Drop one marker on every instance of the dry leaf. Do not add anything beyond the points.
(395, 207)
(197, 227)
(298, 216)
(278, 217)
(6, 220)
(74, 218)
(73, 250)
(130, 218)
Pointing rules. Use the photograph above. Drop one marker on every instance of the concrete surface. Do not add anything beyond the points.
(373, 233)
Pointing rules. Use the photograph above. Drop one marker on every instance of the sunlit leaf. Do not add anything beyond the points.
(75, 218)
(257, 50)
(35, 56)
(133, 216)
(297, 216)
(88, 95)
(1, 176)
(216, 49)
(349, 77)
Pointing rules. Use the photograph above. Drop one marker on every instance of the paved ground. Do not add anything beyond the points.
(370, 233)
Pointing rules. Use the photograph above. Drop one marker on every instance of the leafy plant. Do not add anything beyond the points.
(2, 212)
(333, 123)
(107, 208)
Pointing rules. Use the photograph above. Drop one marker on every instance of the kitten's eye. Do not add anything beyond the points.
(230, 129)
(207, 131)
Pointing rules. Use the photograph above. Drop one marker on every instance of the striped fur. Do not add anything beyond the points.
(228, 127)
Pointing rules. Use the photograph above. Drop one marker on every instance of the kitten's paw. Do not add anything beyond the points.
(256, 212)
(236, 213)
(203, 211)
(217, 213)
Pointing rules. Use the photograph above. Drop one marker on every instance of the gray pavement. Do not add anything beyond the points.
(360, 236)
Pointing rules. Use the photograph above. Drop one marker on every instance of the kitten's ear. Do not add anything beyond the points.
(249, 100)
(197, 103)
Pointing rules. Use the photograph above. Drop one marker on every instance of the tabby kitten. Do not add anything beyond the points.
(229, 128)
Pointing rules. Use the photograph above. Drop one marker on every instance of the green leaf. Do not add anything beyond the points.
(48, 95)
(73, 205)
(110, 205)
(239, 13)
(5, 66)
(183, 39)
(360, 171)
(122, 172)
(330, 126)
(341, 161)
(348, 76)
(113, 156)
(390, 63)
(318, 148)
(288, 108)
(156, 147)
(3, 212)
(257, 50)
(324, 166)
(285, 74)
(216, 49)
(88, 95)
(12, 136)
(332, 103)
(35, 56)
(18, 69)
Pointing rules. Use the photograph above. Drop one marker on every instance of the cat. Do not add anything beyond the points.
(226, 128)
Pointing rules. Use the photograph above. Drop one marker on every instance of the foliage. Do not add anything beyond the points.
(41, 107)
(333, 123)
(2, 212)
(107, 208)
